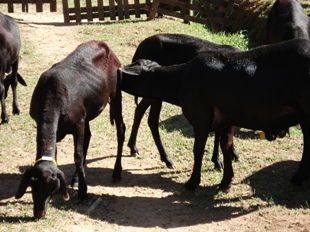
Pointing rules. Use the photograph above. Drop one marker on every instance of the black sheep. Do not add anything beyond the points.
(67, 96)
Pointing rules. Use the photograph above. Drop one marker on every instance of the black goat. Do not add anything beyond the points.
(219, 90)
(9, 59)
(67, 96)
(169, 49)
(287, 20)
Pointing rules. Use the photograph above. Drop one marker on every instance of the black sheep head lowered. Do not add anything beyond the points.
(43, 178)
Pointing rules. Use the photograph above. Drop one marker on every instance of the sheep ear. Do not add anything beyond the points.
(23, 184)
(130, 70)
(63, 186)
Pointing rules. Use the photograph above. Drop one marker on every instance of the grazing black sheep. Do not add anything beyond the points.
(67, 96)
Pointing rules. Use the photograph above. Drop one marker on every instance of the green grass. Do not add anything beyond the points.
(124, 37)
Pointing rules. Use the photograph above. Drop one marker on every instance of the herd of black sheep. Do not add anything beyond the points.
(214, 84)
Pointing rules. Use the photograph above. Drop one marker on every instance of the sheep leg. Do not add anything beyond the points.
(304, 167)
(87, 136)
(4, 116)
(120, 127)
(14, 86)
(79, 159)
(218, 164)
(226, 143)
(201, 136)
(234, 153)
(116, 106)
(153, 124)
(139, 112)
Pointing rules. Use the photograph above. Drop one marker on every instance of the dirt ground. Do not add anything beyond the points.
(143, 200)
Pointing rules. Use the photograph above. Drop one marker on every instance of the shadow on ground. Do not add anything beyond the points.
(180, 123)
(171, 209)
(273, 184)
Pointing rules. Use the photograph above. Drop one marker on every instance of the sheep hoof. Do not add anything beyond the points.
(171, 166)
(224, 189)
(116, 180)
(235, 156)
(190, 186)
(116, 176)
(218, 166)
(169, 163)
(74, 182)
(133, 150)
(16, 111)
(5, 120)
(134, 154)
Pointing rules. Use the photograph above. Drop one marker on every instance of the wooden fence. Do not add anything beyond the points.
(214, 13)
(25, 4)
(114, 9)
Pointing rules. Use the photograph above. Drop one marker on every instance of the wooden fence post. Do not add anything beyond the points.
(112, 9)
(100, 10)
(154, 9)
(89, 11)
(24, 6)
(65, 9)
(39, 6)
(53, 5)
(77, 7)
(10, 6)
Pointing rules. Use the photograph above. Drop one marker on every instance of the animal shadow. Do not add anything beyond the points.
(9, 185)
(180, 123)
(272, 184)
